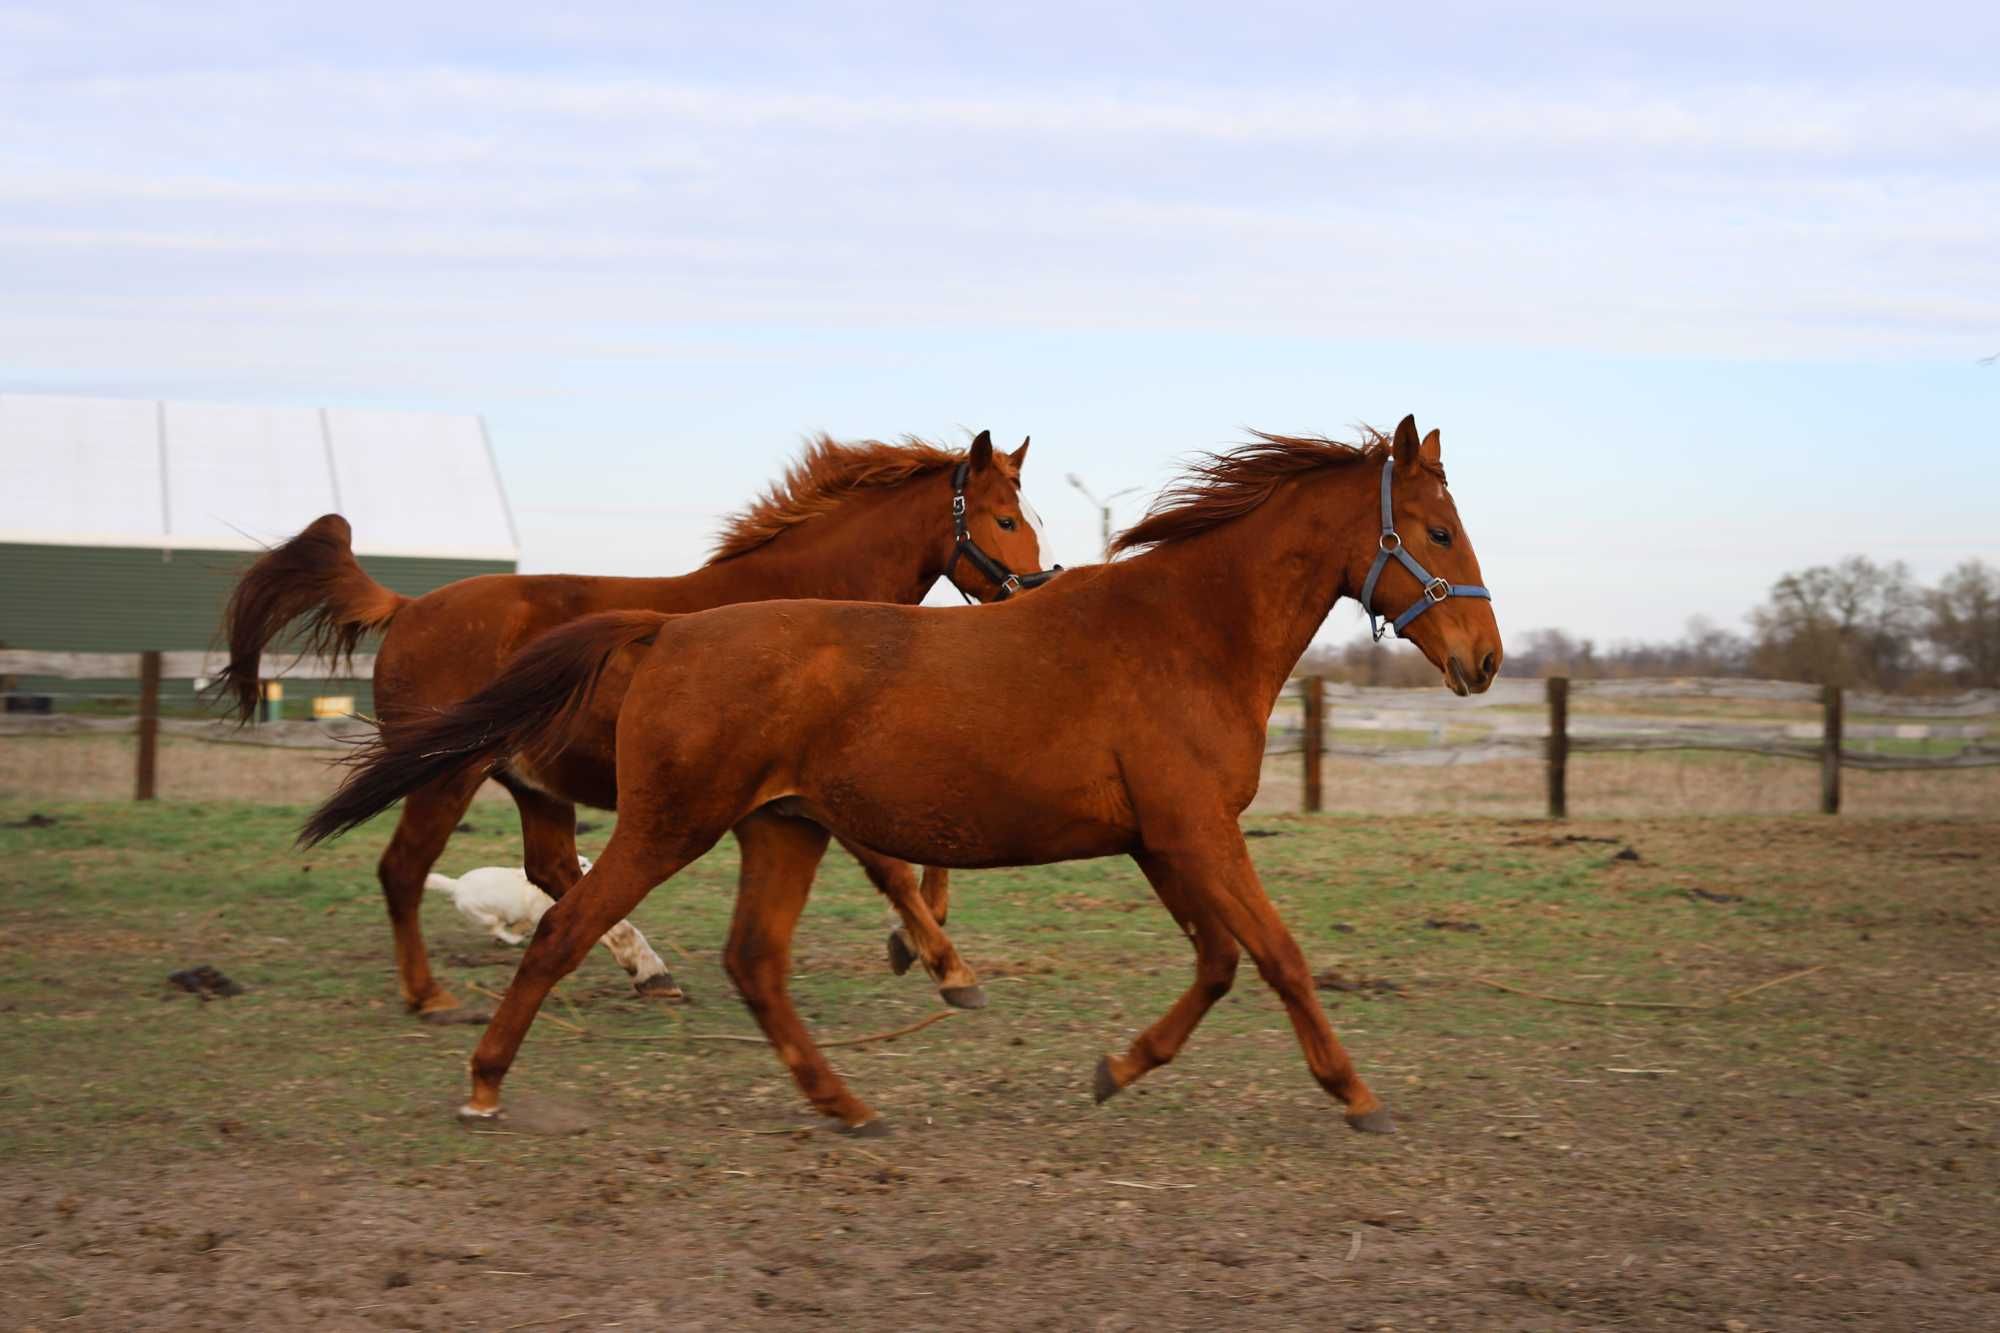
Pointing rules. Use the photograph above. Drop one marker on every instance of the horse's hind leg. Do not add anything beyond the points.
(921, 937)
(1213, 865)
(780, 855)
(631, 866)
(627, 944)
(937, 893)
(429, 818)
(548, 858)
(1215, 958)
(548, 836)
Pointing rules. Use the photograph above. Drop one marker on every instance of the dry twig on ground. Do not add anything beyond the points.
(1730, 998)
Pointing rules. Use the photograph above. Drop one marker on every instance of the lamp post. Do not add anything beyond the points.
(1103, 508)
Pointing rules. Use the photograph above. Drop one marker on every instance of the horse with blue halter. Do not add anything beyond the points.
(1120, 710)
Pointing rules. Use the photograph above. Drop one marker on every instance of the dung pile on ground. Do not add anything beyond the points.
(206, 982)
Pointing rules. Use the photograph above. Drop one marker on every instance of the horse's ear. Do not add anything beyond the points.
(1404, 446)
(981, 454)
(1020, 456)
(1431, 450)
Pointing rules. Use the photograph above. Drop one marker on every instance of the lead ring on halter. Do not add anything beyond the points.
(1390, 545)
(1003, 578)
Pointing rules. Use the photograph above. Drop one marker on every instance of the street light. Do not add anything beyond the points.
(1103, 507)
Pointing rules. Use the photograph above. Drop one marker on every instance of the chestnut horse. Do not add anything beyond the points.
(1121, 710)
(866, 522)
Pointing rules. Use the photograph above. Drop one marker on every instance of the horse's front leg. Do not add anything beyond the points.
(780, 855)
(921, 937)
(1215, 959)
(1210, 861)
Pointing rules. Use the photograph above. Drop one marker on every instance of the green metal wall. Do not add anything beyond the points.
(121, 600)
(100, 599)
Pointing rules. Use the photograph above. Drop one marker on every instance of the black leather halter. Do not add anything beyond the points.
(1003, 578)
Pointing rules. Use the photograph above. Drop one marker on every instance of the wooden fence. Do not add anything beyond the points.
(150, 669)
(1553, 719)
(1559, 717)
(173, 666)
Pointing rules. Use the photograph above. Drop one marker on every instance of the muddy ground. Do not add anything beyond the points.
(1818, 1153)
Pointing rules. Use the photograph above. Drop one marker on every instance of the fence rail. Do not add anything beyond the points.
(323, 734)
(1561, 717)
(1516, 719)
(150, 668)
(175, 666)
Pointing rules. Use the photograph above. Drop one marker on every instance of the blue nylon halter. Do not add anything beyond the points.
(1391, 546)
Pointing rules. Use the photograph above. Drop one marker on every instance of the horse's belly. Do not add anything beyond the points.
(964, 821)
(578, 776)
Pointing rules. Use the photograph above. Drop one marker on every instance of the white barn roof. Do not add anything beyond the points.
(134, 472)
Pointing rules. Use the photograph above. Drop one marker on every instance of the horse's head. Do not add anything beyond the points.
(1424, 578)
(998, 524)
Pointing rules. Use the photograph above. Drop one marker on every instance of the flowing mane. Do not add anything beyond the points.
(828, 472)
(1220, 487)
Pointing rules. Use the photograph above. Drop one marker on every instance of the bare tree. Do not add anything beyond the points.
(1851, 623)
(1847, 624)
(1963, 622)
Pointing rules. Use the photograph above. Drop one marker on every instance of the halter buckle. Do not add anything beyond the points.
(1392, 541)
(1012, 585)
(1437, 590)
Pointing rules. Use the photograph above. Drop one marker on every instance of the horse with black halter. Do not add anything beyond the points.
(864, 522)
(1119, 710)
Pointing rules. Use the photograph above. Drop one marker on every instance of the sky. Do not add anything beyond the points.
(1696, 293)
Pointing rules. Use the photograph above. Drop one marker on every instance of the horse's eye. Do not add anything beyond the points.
(1006, 525)
(1441, 537)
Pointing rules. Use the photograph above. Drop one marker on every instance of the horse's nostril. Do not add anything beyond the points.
(1487, 666)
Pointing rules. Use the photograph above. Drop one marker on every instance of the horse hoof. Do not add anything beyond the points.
(1106, 1087)
(963, 997)
(901, 956)
(1377, 1121)
(877, 1128)
(473, 1118)
(662, 987)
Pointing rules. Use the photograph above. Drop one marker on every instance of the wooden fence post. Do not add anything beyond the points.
(149, 722)
(1829, 753)
(1558, 687)
(1314, 741)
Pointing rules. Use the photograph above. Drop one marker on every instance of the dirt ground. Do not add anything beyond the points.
(1817, 1153)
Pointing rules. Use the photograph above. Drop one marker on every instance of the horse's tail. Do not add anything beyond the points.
(313, 575)
(526, 708)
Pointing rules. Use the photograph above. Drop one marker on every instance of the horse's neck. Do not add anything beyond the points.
(876, 546)
(1261, 585)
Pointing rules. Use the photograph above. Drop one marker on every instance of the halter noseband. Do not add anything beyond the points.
(1391, 546)
(1003, 578)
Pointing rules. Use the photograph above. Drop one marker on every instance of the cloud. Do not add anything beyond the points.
(1784, 214)
(1735, 119)
(655, 242)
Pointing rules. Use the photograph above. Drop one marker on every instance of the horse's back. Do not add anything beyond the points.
(453, 640)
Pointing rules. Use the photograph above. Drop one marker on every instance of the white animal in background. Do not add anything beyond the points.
(502, 901)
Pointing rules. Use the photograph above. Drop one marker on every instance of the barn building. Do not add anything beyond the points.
(125, 522)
